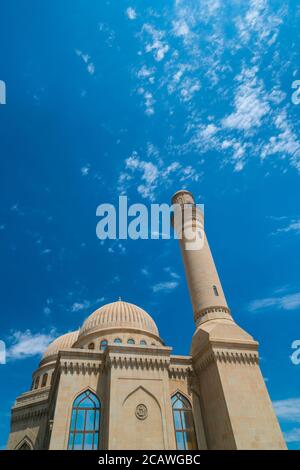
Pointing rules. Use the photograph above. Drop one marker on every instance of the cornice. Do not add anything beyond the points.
(29, 414)
(247, 357)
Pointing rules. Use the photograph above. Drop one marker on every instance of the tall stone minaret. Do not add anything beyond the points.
(235, 405)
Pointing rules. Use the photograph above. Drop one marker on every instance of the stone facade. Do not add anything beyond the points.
(114, 384)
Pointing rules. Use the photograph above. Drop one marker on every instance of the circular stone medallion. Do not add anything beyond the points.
(141, 411)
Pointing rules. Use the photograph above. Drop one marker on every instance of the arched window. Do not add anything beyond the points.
(118, 341)
(143, 342)
(44, 380)
(85, 422)
(183, 423)
(216, 291)
(103, 345)
(131, 341)
(37, 381)
(91, 346)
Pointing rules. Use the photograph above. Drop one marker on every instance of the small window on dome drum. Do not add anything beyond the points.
(143, 342)
(37, 381)
(103, 345)
(118, 341)
(91, 346)
(131, 341)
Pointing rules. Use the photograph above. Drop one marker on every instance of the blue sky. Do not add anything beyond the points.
(144, 98)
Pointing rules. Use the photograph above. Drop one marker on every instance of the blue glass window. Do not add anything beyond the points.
(118, 341)
(131, 341)
(85, 422)
(183, 423)
(143, 342)
(103, 345)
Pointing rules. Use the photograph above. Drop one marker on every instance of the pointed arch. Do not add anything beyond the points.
(141, 425)
(85, 421)
(25, 444)
(184, 427)
(140, 387)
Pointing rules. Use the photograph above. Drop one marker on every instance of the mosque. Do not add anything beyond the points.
(114, 384)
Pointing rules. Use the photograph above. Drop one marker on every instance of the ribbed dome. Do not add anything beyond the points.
(119, 315)
(62, 342)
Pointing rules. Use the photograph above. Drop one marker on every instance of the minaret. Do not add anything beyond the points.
(205, 288)
(235, 404)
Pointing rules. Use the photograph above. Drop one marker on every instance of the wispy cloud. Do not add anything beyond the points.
(131, 13)
(293, 226)
(27, 344)
(293, 435)
(288, 410)
(165, 287)
(87, 60)
(285, 302)
(86, 304)
(251, 104)
(153, 173)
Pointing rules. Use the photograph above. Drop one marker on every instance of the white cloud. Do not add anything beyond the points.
(251, 104)
(285, 143)
(165, 287)
(27, 344)
(85, 305)
(171, 272)
(131, 13)
(153, 175)
(85, 170)
(158, 46)
(87, 60)
(181, 28)
(293, 435)
(78, 306)
(285, 302)
(288, 410)
(293, 226)
(259, 21)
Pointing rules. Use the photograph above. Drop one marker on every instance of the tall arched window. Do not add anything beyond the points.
(44, 380)
(85, 422)
(37, 381)
(183, 423)
(103, 345)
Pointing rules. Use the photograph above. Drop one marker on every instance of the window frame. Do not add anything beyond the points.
(184, 431)
(84, 412)
(104, 343)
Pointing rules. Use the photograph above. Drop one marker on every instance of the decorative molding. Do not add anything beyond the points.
(32, 397)
(200, 314)
(141, 411)
(227, 356)
(180, 367)
(30, 414)
(82, 367)
(137, 362)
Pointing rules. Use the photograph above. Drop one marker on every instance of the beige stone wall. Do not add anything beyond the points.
(78, 372)
(124, 377)
(131, 386)
(252, 417)
(29, 420)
